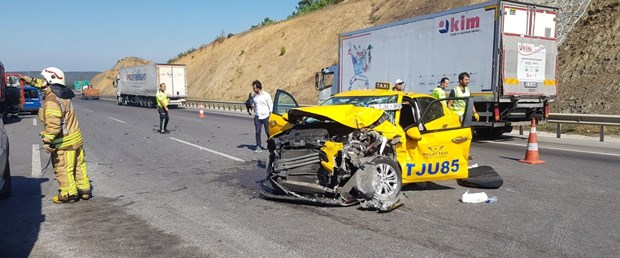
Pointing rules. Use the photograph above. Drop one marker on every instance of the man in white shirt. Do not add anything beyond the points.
(262, 109)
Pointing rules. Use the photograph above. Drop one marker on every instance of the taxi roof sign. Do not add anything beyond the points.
(383, 85)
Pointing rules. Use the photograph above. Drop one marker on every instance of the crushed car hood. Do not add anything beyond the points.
(347, 115)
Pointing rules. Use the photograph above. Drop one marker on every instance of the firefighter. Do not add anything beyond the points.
(61, 137)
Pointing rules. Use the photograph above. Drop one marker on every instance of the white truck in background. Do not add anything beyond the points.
(137, 85)
(509, 48)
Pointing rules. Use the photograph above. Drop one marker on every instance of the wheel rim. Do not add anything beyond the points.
(388, 180)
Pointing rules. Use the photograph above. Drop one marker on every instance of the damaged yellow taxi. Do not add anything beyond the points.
(362, 146)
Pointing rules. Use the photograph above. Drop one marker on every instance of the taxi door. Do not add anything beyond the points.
(278, 120)
(437, 145)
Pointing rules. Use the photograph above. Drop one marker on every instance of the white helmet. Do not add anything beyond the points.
(53, 75)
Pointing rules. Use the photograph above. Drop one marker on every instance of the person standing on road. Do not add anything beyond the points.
(248, 104)
(399, 85)
(62, 137)
(462, 90)
(162, 108)
(262, 110)
(440, 91)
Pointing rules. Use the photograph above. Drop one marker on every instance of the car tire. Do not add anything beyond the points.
(390, 175)
(6, 189)
(36, 112)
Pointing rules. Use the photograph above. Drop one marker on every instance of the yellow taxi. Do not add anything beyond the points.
(361, 146)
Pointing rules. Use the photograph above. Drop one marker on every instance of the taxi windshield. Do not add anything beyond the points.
(381, 102)
(360, 101)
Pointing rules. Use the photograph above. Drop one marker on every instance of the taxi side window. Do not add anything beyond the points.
(431, 110)
(406, 116)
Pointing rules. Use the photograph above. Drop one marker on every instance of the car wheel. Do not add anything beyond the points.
(36, 112)
(6, 188)
(389, 179)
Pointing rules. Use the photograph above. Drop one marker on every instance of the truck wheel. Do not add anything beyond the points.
(119, 100)
(489, 133)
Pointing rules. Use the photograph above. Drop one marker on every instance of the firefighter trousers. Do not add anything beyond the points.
(70, 170)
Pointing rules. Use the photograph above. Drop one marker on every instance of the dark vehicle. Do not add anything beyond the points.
(12, 103)
(5, 169)
(32, 100)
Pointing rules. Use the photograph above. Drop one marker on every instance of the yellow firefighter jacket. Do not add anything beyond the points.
(62, 129)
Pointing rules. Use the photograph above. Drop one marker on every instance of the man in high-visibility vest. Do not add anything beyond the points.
(458, 106)
(62, 137)
(162, 108)
(439, 92)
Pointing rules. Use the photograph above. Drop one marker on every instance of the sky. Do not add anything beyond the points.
(92, 35)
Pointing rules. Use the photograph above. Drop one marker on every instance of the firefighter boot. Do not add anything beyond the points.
(65, 198)
(85, 194)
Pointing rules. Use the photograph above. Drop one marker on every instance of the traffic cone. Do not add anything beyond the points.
(531, 155)
(202, 112)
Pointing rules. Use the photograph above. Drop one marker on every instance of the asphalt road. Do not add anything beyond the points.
(194, 193)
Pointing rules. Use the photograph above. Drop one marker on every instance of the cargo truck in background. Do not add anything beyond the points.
(137, 85)
(509, 48)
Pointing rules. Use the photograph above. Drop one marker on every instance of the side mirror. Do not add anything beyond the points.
(414, 133)
(285, 116)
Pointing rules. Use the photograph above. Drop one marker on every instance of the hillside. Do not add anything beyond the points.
(103, 81)
(287, 54)
(589, 62)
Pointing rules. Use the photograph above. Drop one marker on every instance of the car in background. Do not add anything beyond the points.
(32, 99)
(5, 169)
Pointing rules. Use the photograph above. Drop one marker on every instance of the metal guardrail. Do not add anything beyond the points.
(584, 119)
(558, 118)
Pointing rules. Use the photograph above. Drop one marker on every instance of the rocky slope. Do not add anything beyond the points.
(287, 54)
(589, 62)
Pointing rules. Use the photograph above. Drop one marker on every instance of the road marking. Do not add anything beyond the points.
(120, 121)
(36, 161)
(88, 110)
(34, 122)
(209, 150)
(553, 148)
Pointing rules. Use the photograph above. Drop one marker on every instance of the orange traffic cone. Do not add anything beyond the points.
(202, 112)
(531, 155)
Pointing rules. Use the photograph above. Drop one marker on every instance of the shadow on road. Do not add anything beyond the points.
(21, 217)
(425, 186)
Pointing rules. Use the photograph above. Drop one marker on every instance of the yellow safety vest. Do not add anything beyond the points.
(161, 98)
(458, 106)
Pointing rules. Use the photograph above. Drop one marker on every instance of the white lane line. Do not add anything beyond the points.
(553, 148)
(209, 150)
(88, 110)
(34, 122)
(120, 121)
(36, 161)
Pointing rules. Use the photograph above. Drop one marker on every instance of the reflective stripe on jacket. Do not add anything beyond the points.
(62, 131)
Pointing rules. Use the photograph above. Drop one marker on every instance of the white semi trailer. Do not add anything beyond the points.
(137, 85)
(508, 47)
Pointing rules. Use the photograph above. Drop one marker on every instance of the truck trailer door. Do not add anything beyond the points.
(529, 50)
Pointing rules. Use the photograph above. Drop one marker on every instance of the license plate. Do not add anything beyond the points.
(531, 84)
